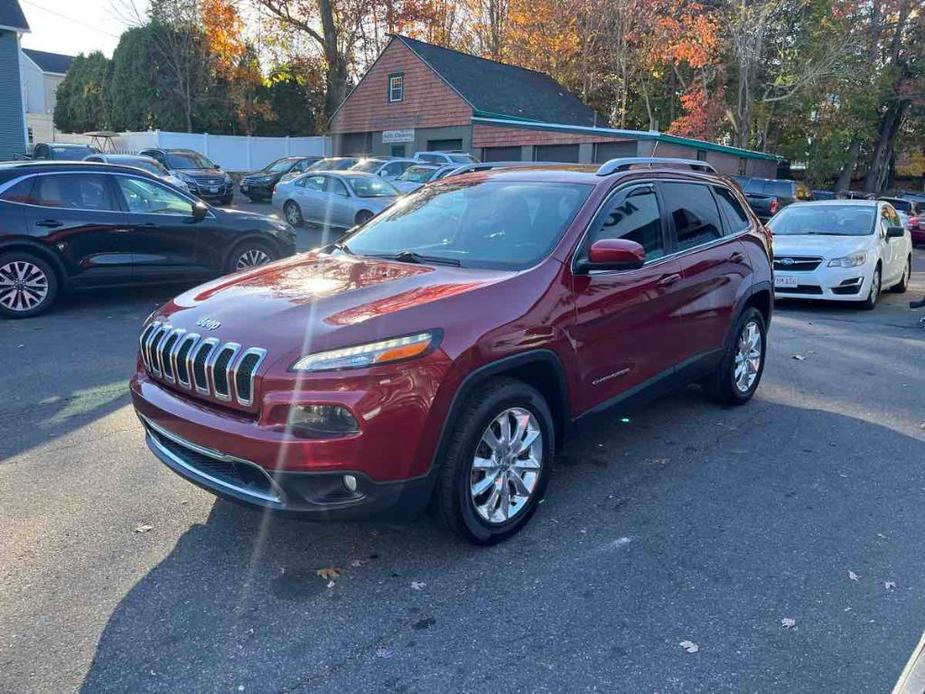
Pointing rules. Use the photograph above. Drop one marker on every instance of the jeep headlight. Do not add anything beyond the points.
(371, 354)
(852, 260)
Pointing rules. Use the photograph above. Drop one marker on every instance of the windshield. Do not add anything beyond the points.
(462, 158)
(278, 166)
(188, 160)
(418, 174)
(148, 165)
(828, 220)
(71, 153)
(332, 164)
(367, 165)
(371, 187)
(486, 224)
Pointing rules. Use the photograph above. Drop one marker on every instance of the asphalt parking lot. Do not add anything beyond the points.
(783, 538)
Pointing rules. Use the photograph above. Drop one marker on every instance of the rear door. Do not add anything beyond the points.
(339, 202)
(78, 213)
(712, 262)
(309, 194)
(165, 236)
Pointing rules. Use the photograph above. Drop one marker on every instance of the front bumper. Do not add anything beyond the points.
(827, 283)
(212, 193)
(256, 190)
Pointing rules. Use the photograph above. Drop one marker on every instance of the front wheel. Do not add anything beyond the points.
(737, 377)
(250, 254)
(904, 281)
(363, 216)
(875, 286)
(293, 213)
(497, 463)
(28, 285)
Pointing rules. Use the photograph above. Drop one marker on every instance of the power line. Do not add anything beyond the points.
(70, 19)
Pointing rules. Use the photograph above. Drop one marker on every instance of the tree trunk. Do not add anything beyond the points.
(847, 171)
(336, 80)
(879, 170)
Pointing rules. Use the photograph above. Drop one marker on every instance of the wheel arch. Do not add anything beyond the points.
(41, 251)
(252, 236)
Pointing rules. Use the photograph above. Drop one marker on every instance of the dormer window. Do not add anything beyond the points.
(396, 87)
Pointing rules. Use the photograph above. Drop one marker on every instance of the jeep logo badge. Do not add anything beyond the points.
(208, 323)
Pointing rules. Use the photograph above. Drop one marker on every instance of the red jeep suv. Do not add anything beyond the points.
(441, 353)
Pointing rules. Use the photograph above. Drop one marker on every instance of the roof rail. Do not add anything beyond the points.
(625, 163)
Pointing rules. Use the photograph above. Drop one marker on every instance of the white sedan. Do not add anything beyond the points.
(840, 250)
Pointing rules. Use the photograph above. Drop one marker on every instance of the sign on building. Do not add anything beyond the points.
(390, 137)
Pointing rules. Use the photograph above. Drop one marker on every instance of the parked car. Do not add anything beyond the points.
(445, 157)
(203, 178)
(389, 169)
(823, 195)
(139, 162)
(61, 151)
(904, 205)
(258, 186)
(417, 175)
(840, 250)
(78, 225)
(444, 350)
(768, 195)
(339, 199)
(334, 164)
(916, 226)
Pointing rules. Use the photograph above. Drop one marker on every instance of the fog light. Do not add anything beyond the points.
(322, 420)
(350, 482)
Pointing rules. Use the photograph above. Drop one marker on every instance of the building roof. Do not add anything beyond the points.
(500, 90)
(11, 16)
(49, 62)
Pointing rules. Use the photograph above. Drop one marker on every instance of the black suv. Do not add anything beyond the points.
(201, 176)
(258, 186)
(74, 225)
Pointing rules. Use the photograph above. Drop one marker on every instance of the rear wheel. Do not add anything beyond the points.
(250, 254)
(904, 281)
(737, 377)
(28, 285)
(497, 464)
(293, 213)
(875, 286)
(363, 216)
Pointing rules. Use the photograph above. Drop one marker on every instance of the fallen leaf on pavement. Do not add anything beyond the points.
(143, 528)
(689, 646)
(788, 623)
(331, 584)
(357, 563)
(328, 573)
(417, 585)
(889, 585)
(853, 576)
(799, 357)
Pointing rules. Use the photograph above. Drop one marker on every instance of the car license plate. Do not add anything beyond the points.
(213, 189)
(786, 281)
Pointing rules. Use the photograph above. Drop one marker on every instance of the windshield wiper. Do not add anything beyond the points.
(343, 248)
(414, 257)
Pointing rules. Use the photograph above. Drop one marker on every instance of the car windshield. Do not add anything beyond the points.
(371, 187)
(332, 164)
(462, 158)
(827, 220)
(71, 153)
(485, 224)
(418, 174)
(367, 165)
(148, 165)
(188, 160)
(278, 166)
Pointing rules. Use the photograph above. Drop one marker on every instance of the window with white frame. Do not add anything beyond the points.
(396, 87)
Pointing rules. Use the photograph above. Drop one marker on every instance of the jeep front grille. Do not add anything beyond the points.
(204, 365)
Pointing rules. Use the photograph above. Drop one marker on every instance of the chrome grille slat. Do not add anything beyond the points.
(204, 352)
(245, 396)
(231, 349)
(153, 341)
(179, 358)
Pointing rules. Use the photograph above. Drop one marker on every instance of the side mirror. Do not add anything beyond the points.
(614, 254)
(895, 232)
(199, 210)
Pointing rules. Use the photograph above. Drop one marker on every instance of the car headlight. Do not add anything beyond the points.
(372, 354)
(852, 260)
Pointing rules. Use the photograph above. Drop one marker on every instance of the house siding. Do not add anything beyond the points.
(12, 127)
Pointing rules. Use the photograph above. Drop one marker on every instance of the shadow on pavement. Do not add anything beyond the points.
(654, 531)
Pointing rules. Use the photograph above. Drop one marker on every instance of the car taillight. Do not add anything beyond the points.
(775, 205)
(915, 222)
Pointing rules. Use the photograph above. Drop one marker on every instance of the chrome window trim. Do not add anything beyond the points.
(235, 348)
(277, 497)
(211, 343)
(664, 258)
(174, 358)
(262, 355)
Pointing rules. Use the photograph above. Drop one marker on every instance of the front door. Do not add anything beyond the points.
(77, 212)
(166, 238)
(624, 330)
(892, 251)
(339, 203)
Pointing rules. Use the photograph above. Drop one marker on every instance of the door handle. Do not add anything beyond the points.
(669, 280)
(50, 223)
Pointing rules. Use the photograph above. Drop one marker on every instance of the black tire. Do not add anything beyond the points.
(904, 282)
(873, 296)
(452, 498)
(250, 254)
(228, 200)
(363, 216)
(722, 385)
(293, 213)
(14, 302)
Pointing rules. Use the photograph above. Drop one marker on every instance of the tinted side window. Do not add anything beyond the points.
(634, 216)
(782, 189)
(694, 213)
(336, 187)
(21, 192)
(311, 183)
(73, 192)
(736, 217)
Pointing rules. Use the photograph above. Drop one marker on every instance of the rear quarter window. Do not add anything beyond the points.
(21, 192)
(734, 215)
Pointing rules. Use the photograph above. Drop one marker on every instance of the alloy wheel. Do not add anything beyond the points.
(293, 215)
(23, 285)
(506, 467)
(252, 258)
(748, 357)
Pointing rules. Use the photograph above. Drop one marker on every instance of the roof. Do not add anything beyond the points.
(56, 63)
(11, 16)
(498, 89)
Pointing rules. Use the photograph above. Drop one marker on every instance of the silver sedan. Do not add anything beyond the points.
(340, 199)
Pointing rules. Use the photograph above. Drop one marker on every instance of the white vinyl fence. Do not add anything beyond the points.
(234, 153)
